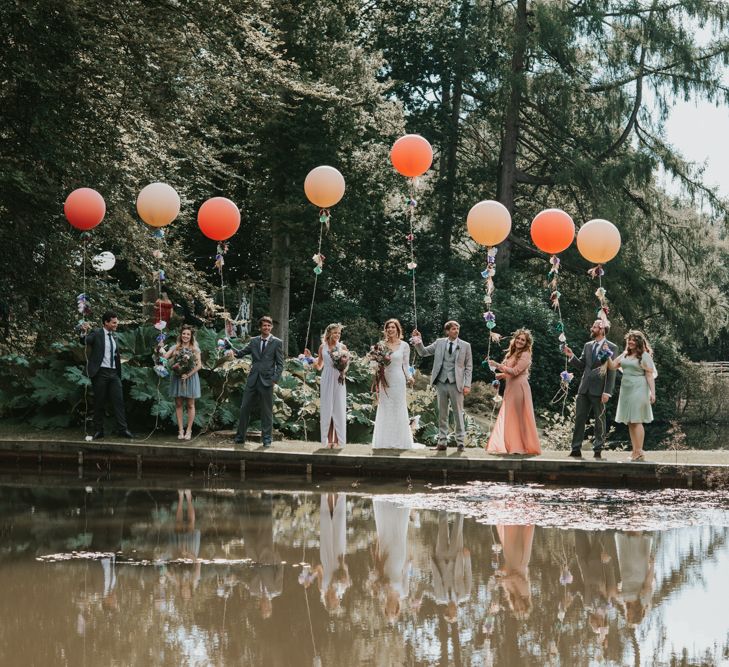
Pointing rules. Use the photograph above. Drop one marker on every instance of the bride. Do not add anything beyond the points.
(392, 424)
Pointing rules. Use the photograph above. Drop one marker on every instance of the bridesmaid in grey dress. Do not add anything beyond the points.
(185, 388)
(333, 393)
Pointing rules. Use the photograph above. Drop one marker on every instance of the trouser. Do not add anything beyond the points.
(448, 391)
(585, 404)
(107, 383)
(265, 399)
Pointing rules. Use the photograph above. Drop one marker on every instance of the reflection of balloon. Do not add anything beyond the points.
(598, 241)
(324, 186)
(411, 155)
(84, 208)
(104, 261)
(489, 223)
(218, 218)
(552, 231)
(158, 204)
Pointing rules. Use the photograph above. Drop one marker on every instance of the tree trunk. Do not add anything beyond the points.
(453, 93)
(280, 283)
(510, 139)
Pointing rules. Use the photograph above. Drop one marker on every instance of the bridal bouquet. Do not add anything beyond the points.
(340, 360)
(380, 357)
(183, 361)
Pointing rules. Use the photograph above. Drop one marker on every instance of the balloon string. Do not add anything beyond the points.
(311, 306)
(316, 280)
(86, 349)
(411, 239)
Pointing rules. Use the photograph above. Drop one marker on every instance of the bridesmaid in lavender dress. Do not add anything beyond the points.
(333, 393)
(515, 430)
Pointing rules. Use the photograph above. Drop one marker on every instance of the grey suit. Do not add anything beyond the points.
(452, 372)
(593, 385)
(265, 372)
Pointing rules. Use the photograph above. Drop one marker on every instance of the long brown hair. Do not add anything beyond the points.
(512, 351)
(641, 343)
(193, 342)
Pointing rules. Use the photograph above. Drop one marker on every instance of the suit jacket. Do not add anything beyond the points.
(269, 366)
(463, 361)
(593, 382)
(95, 342)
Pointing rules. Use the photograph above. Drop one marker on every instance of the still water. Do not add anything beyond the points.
(482, 574)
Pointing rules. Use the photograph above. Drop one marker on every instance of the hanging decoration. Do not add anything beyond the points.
(324, 187)
(84, 209)
(104, 261)
(411, 156)
(553, 231)
(489, 223)
(219, 219)
(158, 204)
(599, 241)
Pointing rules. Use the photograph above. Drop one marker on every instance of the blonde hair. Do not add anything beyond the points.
(397, 324)
(512, 351)
(331, 328)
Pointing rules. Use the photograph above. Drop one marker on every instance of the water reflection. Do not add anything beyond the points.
(172, 577)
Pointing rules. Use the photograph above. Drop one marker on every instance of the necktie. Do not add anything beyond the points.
(111, 349)
(263, 344)
(450, 347)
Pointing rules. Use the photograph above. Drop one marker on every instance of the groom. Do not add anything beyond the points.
(452, 370)
(596, 388)
(268, 361)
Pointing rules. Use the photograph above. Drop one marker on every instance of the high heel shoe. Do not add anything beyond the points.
(188, 435)
(181, 435)
(640, 457)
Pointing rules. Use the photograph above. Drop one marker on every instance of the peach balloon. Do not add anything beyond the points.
(84, 209)
(324, 186)
(488, 223)
(598, 241)
(158, 204)
(411, 155)
(218, 218)
(552, 231)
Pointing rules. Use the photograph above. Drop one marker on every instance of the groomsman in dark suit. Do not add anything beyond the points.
(596, 388)
(268, 361)
(103, 367)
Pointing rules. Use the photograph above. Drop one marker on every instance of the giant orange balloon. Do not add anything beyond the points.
(158, 204)
(598, 241)
(488, 223)
(552, 231)
(411, 155)
(218, 218)
(84, 208)
(324, 186)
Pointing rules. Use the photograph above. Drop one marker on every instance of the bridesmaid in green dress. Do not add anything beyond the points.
(637, 389)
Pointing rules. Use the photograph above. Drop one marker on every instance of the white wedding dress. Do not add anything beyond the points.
(392, 423)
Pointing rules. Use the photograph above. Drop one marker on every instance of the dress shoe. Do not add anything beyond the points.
(460, 448)
(597, 454)
(239, 441)
(126, 434)
(98, 435)
(575, 454)
(442, 448)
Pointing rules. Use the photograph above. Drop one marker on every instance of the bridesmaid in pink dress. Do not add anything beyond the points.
(515, 430)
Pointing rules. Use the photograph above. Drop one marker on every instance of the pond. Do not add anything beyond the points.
(480, 574)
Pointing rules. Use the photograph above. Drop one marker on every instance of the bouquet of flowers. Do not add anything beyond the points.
(340, 359)
(380, 357)
(183, 361)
